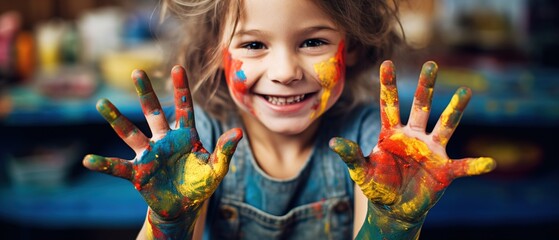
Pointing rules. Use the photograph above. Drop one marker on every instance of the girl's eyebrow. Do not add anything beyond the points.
(318, 28)
(253, 32)
(308, 30)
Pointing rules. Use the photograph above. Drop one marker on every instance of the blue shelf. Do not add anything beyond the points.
(101, 201)
(487, 201)
(511, 96)
(31, 108)
(94, 200)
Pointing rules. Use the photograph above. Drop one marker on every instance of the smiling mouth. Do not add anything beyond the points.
(280, 101)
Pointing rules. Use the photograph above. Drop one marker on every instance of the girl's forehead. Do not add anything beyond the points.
(276, 15)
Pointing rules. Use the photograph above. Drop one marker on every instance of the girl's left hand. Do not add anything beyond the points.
(408, 170)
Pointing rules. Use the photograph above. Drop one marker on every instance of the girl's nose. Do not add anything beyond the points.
(284, 68)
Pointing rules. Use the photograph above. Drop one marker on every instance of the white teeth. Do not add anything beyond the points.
(285, 100)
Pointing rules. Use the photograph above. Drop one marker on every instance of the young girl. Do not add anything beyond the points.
(275, 72)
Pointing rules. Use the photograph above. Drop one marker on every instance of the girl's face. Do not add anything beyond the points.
(285, 65)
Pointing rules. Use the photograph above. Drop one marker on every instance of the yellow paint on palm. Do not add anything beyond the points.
(220, 169)
(411, 208)
(374, 191)
(163, 205)
(327, 75)
(194, 179)
(390, 98)
(413, 146)
(380, 220)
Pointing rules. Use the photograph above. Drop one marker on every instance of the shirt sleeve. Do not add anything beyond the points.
(361, 125)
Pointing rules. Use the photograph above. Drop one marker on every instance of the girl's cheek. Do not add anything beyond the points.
(331, 76)
(235, 76)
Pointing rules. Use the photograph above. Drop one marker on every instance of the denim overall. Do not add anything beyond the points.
(315, 204)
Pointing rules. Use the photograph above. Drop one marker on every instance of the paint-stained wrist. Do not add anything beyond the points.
(380, 224)
(178, 228)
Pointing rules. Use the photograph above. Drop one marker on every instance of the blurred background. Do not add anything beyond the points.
(58, 57)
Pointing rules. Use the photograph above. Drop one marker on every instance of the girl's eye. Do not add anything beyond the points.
(309, 43)
(253, 45)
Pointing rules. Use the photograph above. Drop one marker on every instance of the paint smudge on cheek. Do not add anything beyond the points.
(235, 77)
(330, 73)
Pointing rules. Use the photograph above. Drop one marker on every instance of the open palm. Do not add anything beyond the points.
(171, 170)
(408, 170)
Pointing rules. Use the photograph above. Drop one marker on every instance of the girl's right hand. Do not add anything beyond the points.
(171, 170)
(408, 171)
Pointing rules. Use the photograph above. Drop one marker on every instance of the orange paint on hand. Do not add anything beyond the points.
(406, 147)
(142, 172)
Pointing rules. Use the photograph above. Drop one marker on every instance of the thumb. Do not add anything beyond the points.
(226, 145)
(112, 166)
(349, 151)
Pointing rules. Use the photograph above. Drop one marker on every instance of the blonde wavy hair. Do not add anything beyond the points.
(368, 24)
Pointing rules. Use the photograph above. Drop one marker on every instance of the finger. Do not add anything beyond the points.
(112, 166)
(150, 105)
(349, 151)
(226, 145)
(421, 107)
(389, 105)
(450, 117)
(183, 99)
(351, 154)
(125, 129)
(472, 166)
